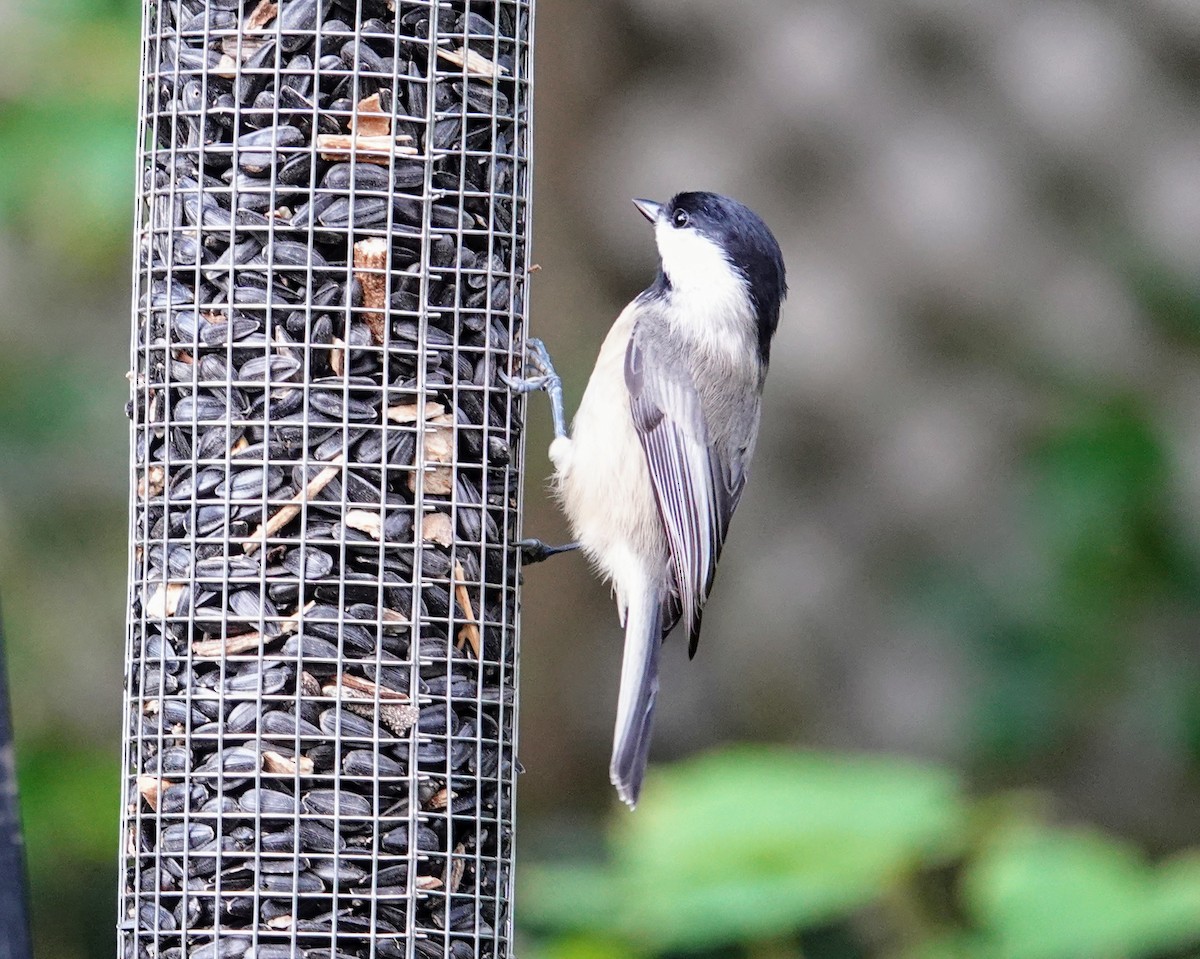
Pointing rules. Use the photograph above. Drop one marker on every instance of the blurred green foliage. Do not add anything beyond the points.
(1171, 299)
(68, 785)
(69, 794)
(1100, 554)
(66, 178)
(763, 852)
(751, 844)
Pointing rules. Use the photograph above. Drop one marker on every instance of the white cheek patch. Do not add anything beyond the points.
(708, 295)
(691, 259)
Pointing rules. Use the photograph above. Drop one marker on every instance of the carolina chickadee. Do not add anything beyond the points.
(659, 450)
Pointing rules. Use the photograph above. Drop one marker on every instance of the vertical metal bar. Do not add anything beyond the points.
(332, 232)
(15, 942)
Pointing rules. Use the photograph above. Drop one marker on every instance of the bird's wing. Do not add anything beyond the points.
(697, 479)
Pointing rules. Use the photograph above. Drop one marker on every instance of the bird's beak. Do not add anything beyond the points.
(648, 208)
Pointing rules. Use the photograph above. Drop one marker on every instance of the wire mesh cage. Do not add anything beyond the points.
(321, 666)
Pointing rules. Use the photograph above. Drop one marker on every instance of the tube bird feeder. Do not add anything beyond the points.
(329, 278)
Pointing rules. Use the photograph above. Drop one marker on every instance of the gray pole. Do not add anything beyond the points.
(14, 898)
(332, 226)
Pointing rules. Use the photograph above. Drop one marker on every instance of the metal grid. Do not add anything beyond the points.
(329, 274)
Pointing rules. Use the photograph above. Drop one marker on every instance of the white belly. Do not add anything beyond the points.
(603, 481)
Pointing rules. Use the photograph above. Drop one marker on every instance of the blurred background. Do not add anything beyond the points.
(962, 594)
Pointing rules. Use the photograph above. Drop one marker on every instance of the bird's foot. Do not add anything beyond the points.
(535, 551)
(537, 360)
(525, 384)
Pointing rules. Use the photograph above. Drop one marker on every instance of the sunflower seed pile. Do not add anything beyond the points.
(330, 274)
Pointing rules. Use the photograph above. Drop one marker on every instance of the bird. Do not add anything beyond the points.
(659, 449)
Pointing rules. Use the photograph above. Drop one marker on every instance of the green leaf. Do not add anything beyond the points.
(70, 802)
(1044, 894)
(70, 13)
(566, 898)
(949, 946)
(70, 187)
(43, 401)
(578, 947)
(1099, 477)
(1171, 299)
(66, 183)
(753, 843)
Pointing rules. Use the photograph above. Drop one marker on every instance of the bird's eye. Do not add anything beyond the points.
(680, 218)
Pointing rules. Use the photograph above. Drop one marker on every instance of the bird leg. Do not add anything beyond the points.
(535, 551)
(537, 360)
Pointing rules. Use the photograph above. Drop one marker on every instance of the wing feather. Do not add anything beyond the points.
(697, 480)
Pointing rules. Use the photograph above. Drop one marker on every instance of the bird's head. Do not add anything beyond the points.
(717, 249)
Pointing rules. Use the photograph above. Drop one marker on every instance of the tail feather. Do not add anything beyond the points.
(639, 689)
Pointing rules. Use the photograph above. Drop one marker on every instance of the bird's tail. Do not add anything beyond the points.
(639, 689)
